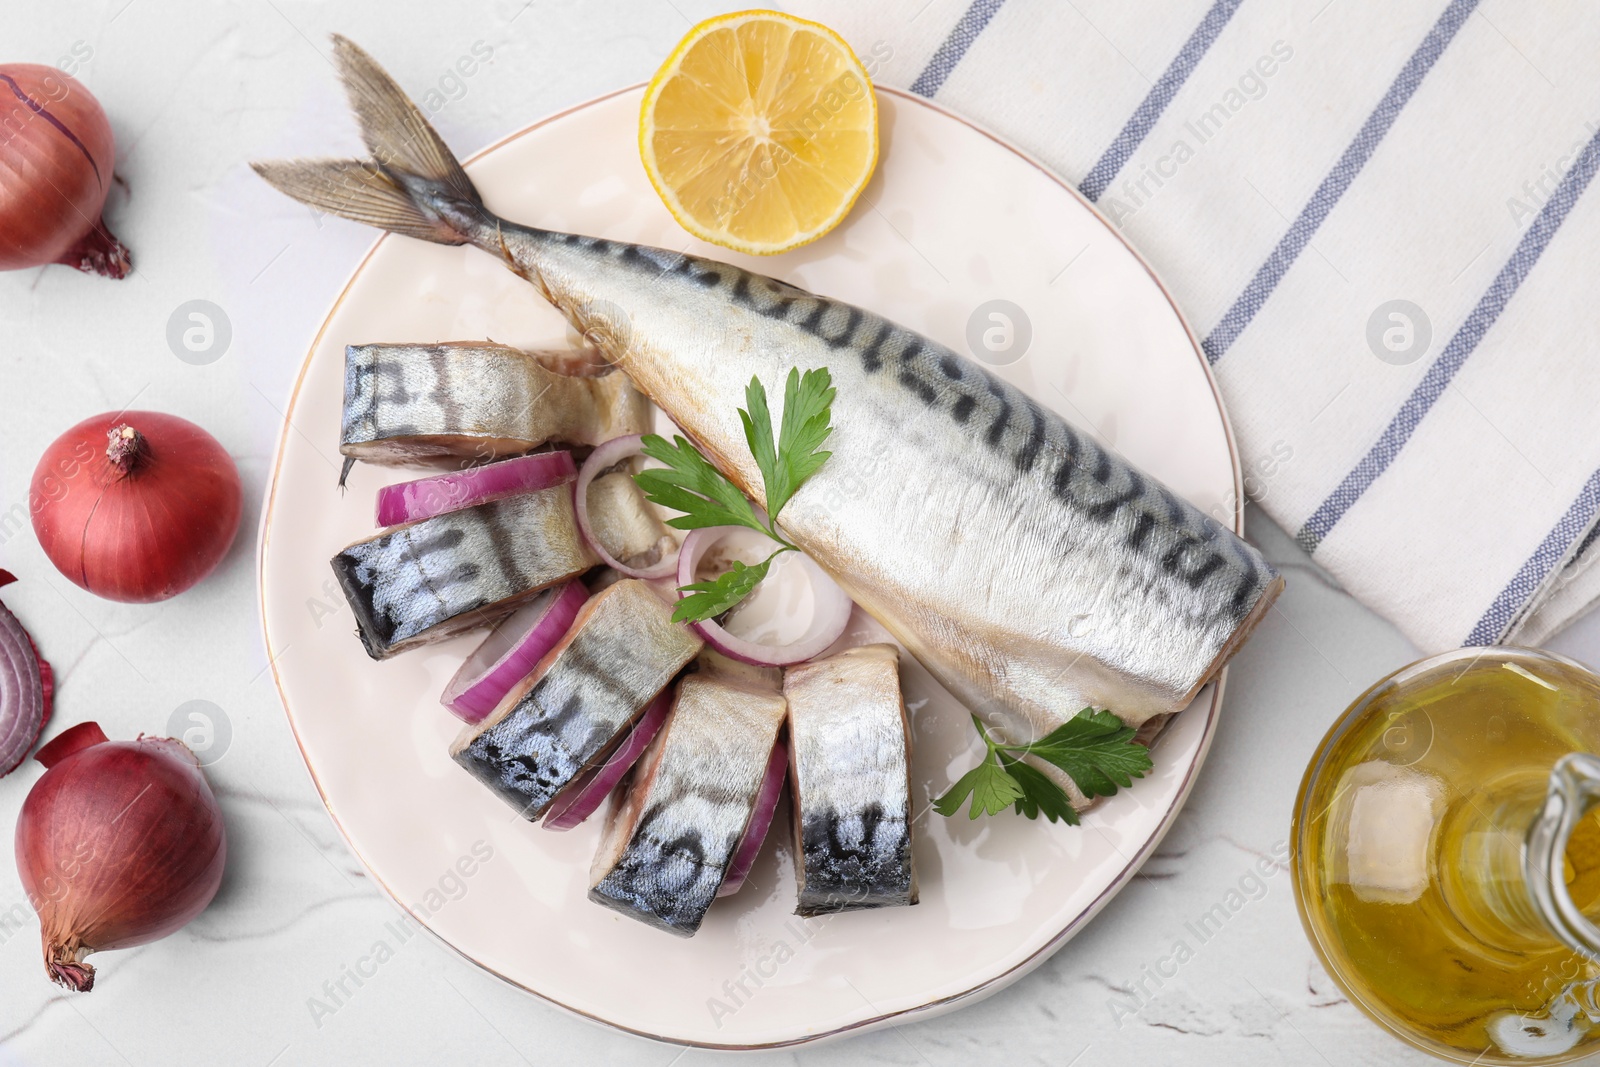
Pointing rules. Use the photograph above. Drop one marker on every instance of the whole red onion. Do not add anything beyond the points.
(135, 505)
(119, 844)
(56, 155)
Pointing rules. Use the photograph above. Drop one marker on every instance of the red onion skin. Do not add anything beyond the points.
(68, 741)
(583, 795)
(423, 498)
(142, 534)
(749, 847)
(120, 843)
(471, 698)
(56, 159)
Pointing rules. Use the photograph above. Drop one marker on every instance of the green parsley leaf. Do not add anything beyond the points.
(1039, 793)
(757, 422)
(1096, 750)
(992, 791)
(807, 422)
(690, 484)
(707, 600)
(807, 415)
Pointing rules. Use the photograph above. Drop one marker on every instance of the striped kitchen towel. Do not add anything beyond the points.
(1376, 215)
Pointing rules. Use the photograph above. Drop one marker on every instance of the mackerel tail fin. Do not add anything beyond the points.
(411, 185)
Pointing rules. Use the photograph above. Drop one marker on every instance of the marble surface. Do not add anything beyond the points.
(193, 92)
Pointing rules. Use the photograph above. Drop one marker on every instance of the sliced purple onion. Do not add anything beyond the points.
(512, 650)
(830, 609)
(755, 831)
(601, 459)
(584, 795)
(24, 689)
(426, 497)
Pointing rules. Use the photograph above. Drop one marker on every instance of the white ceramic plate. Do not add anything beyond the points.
(952, 219)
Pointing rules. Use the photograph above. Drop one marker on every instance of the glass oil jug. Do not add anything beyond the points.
(1446, 855)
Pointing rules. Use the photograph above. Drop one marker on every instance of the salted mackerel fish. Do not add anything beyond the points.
(668, 841)
(406, 403)
(1030, 568)
(622, 650)
(850, 781)
(623, 520)
(429, 580)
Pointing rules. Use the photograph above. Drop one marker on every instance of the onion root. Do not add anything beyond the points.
(99, 252)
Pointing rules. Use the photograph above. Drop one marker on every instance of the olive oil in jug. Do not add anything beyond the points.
(1447, 861)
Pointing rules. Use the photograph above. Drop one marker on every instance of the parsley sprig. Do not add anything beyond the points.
(688, 482)
(1094, 747)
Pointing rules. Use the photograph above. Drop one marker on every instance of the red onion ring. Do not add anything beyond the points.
(424, 498)
(25, 689)
(829, 619)
(512, 650)
(602, 458)
(755, 831)
(588, 791)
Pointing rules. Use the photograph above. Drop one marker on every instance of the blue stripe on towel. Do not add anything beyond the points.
(1551, 551)
(1466, 339)
(1156, 101)
(1338, 180)
(955, 46)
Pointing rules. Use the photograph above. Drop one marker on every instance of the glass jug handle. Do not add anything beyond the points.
(1574, 788)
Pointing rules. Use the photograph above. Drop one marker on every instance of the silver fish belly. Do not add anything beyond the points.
(1031, 569)
(850, 780)
(668, 842)
(405, 403)
(622, 651)
(432, 579)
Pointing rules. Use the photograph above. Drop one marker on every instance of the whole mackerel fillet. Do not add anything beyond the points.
(1032, 570)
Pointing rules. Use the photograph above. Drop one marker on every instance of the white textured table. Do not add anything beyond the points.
(191, 97)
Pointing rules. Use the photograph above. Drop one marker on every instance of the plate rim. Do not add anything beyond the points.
(930, 1008)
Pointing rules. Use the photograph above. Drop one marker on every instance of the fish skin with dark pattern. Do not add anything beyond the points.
(682, 815)
(850, 780)
(622, 650)
(432, 579)
(475, 400)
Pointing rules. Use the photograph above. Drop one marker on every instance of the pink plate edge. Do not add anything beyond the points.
(933, 1007)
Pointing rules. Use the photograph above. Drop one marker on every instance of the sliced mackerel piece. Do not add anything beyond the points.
(622, 651)
(480, 400)
(624, 522)
(432, 579)
(850, 780)
(668, 842)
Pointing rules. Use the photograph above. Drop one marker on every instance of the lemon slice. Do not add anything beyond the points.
(759, 131)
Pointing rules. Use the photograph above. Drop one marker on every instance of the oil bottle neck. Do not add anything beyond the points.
(1574, 789)
(1512, 887)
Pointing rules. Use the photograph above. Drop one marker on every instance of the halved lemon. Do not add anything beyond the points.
(759, 131)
